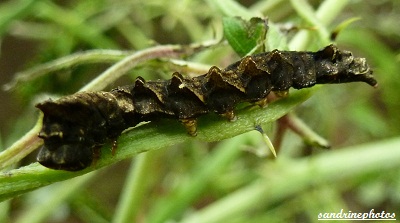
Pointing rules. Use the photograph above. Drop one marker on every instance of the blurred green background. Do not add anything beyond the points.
(179, 183)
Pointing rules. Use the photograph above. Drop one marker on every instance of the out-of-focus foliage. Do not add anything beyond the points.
(221, 181)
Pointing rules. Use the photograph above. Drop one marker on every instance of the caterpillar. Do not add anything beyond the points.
(76, 126)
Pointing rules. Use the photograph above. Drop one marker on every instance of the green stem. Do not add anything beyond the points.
(198, 181)
(41, 210)
(297, 175)
(303, 130)
(21, 148)
(326, 12)
(90, 56)
(75, 24)
(305, 11)
(134, 189)
(123, 66)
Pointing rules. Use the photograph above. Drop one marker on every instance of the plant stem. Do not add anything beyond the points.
(297, 175)
(90, 56)
(134, 189)
(21, 148)
(326, 12)
(40, 211)
(123, 66)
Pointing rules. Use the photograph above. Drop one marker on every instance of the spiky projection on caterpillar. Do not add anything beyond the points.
(76, 126)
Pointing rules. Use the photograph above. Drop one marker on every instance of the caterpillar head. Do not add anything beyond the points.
(71, 131)
(64, 143)
(61, 156)
(76, 126)
(336, 66)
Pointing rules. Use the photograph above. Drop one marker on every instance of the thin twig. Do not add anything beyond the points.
(90, 56)
(21, 148)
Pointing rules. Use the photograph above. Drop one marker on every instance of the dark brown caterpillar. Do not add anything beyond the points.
(76, 126)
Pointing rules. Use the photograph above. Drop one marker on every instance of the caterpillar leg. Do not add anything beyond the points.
(190, 125)
(96, 155)
(282, 94)
(262, 103)
(114, 146)
(230, 115)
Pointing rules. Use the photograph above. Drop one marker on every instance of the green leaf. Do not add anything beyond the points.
(343, 25)
(244, 36)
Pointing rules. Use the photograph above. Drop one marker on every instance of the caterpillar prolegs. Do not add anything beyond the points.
(75, 126)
